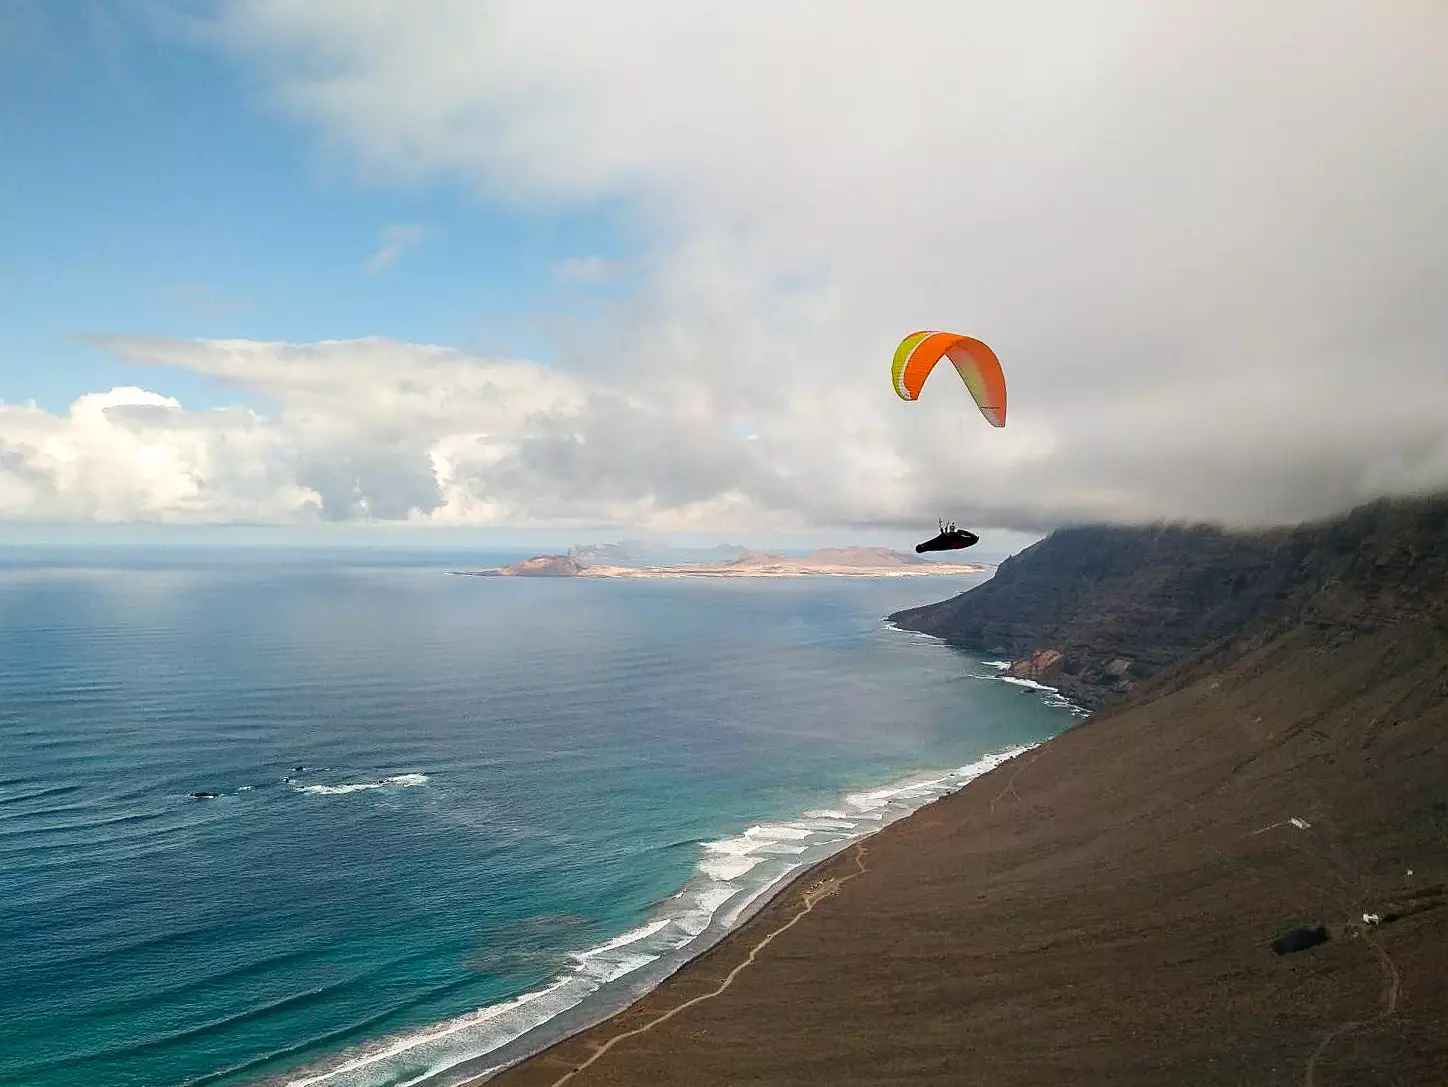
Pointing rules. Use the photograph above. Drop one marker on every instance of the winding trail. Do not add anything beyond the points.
(1392, 986)
(813, 895)
(1010, 786)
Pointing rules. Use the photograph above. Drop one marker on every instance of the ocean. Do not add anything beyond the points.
(454, 817)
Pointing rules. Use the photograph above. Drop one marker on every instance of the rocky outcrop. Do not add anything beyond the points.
(1040, 667)
(544, 566)
(1120, 604)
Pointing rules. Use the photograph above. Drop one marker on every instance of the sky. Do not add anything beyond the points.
(500, 269)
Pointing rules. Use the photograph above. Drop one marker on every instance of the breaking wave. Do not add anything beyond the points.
(732, 880)
(396, 781)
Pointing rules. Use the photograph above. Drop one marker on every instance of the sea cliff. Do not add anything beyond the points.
(1097, 609)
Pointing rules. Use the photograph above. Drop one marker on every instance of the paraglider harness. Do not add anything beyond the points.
(950, 539)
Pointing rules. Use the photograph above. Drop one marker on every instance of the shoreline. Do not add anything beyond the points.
(738, 934)
(762, 903)
(1062, 924)
(769, 916)
(631, 969)
(567, 1026)
(764, 906)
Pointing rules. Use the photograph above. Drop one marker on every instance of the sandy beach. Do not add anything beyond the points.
(1101, 909)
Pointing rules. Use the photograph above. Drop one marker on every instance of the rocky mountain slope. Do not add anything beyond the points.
(1097, 609)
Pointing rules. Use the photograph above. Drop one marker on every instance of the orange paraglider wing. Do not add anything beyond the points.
(974, 361)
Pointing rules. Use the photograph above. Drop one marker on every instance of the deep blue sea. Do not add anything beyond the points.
(453, 815)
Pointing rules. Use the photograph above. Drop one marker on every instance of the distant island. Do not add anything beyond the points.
(826, 562)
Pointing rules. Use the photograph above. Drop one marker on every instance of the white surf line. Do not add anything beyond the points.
(813, 895)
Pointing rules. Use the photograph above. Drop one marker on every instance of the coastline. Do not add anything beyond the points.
(1110, 906)
(696, 979)
(755, 921)
(745, 917)
(762, 908)
(1103, 908)
(606, 980)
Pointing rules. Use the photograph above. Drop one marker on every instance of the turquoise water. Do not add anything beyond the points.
(501, 777)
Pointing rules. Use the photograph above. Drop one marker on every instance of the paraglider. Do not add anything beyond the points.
(974, 361)
(950, 539)
(981, 371)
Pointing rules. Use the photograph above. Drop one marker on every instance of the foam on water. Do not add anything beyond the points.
(733, 857)
(1052, 695)
(910, 633)
(506, 1012)
(398, 781)
(1031, 683)
(714, 901)
(643, 932)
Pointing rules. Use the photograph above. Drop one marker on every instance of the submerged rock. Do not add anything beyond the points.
(204, 796)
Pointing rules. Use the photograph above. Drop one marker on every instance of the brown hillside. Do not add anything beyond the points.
(1101, 910)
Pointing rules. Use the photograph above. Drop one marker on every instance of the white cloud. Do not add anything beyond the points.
(1209, 241)
(394, 240)
(374, 428)
(133, 455)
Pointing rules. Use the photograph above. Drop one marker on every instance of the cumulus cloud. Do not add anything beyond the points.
(394, 240)
(383, 430)
(133, 455)
(1209, 241)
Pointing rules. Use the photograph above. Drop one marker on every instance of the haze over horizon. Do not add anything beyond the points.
(551, 269)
